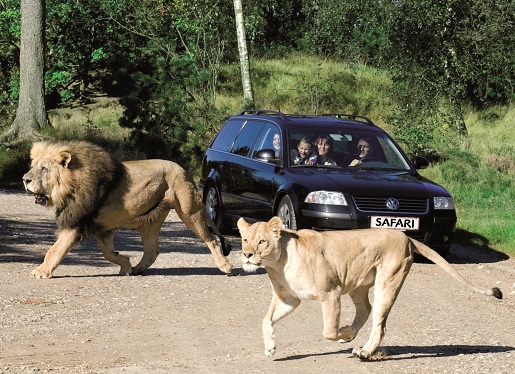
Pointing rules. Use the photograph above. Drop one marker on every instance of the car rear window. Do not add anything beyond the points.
(246, 138)
(225, 138)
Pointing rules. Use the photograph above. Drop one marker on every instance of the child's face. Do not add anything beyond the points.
(304, 149)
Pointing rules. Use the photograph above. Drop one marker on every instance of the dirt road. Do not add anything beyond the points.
(185, 316)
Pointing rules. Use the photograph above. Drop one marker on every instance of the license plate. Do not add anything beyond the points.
(399, 223)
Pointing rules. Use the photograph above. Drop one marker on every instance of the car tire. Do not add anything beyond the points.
(286, 213)
(213, 206)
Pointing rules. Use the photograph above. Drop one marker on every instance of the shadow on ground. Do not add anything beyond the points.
(470, 247)
(393, 353)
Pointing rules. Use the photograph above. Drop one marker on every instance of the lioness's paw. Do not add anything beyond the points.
(360, 353)
(40, 274)
(347, 333)
(269, 348)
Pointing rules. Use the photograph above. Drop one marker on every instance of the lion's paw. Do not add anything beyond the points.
(225, 266)
(270, 352)
(361, 353)
(40, 274)
(347, 333)
(125, 271)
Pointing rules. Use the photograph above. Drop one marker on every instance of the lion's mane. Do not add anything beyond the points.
(82, 184)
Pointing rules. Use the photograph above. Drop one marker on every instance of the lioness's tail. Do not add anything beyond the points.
(430, 254)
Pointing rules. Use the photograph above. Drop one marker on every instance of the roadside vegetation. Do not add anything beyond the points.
(478, 169)
(157, 80)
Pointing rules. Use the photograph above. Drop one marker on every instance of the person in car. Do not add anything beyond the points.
(365, 152)
(304, 154)
(324, 148)
(276, 143)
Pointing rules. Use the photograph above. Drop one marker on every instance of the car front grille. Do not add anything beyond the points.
(378, 204)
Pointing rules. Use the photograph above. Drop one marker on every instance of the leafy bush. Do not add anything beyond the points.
(14, 162)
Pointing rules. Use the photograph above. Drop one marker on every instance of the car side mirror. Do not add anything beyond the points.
(420, 162)
(267, 155)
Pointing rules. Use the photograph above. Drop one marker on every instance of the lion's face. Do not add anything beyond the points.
(259, 243)
(44, 177)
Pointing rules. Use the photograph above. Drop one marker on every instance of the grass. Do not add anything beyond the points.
(308, 85)
(479, 170)
(480, 174)
(98, 120)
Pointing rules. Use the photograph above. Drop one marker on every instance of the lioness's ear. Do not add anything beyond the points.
(64, 158)
(275, 225)
(242, 225)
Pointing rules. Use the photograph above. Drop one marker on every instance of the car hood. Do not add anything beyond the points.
(362, 182)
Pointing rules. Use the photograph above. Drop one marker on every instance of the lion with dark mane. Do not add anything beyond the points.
(94, 194)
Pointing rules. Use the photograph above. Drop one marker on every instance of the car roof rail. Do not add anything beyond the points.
(363, 119)
(264, 112)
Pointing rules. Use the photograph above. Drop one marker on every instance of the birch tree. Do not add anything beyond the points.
(248, 95)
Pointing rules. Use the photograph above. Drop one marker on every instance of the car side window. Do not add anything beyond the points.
(246, 138)
(270, 138)
(225, 138)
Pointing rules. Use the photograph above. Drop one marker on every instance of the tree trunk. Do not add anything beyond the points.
(31, 114)
(248, 95)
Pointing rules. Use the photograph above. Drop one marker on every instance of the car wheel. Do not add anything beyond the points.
(214, 206)
(286, 213)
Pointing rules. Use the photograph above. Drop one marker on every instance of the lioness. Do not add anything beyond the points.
(94, 194)
(307, 264)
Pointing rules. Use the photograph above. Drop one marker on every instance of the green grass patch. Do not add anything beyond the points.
(480, 174)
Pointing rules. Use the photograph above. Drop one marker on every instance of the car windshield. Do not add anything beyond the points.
(333, 147)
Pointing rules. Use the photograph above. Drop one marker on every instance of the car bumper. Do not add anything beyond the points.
(434, 231)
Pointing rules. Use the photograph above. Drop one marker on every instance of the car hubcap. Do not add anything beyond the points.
(284, 214)
(212, 203)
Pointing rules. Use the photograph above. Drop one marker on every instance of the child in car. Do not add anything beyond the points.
(304, 154)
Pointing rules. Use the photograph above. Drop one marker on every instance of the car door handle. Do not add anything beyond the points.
(245, 172)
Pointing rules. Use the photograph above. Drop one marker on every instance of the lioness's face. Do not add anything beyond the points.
(259, 243)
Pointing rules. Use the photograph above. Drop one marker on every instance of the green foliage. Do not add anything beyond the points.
(352, 30)
(273, 27)
(463, 48)
(14, 162)
(57, 80)
(166, 119)
(10, 21)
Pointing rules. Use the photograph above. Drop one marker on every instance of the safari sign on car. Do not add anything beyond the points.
(325, 172)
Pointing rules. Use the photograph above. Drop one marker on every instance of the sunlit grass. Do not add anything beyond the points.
(481, 176)
(308, 85)
(98, 120)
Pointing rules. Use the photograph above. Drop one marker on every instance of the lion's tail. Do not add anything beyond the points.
(226, 244)
(430, 254)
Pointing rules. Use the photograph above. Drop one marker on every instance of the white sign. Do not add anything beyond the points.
(399, 223)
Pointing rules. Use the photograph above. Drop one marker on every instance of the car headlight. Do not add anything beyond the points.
(443, 202)
(326, 197)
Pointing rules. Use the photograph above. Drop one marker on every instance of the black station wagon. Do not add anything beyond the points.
(327, 172)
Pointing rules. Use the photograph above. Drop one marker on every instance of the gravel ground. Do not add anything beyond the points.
(185, 316)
